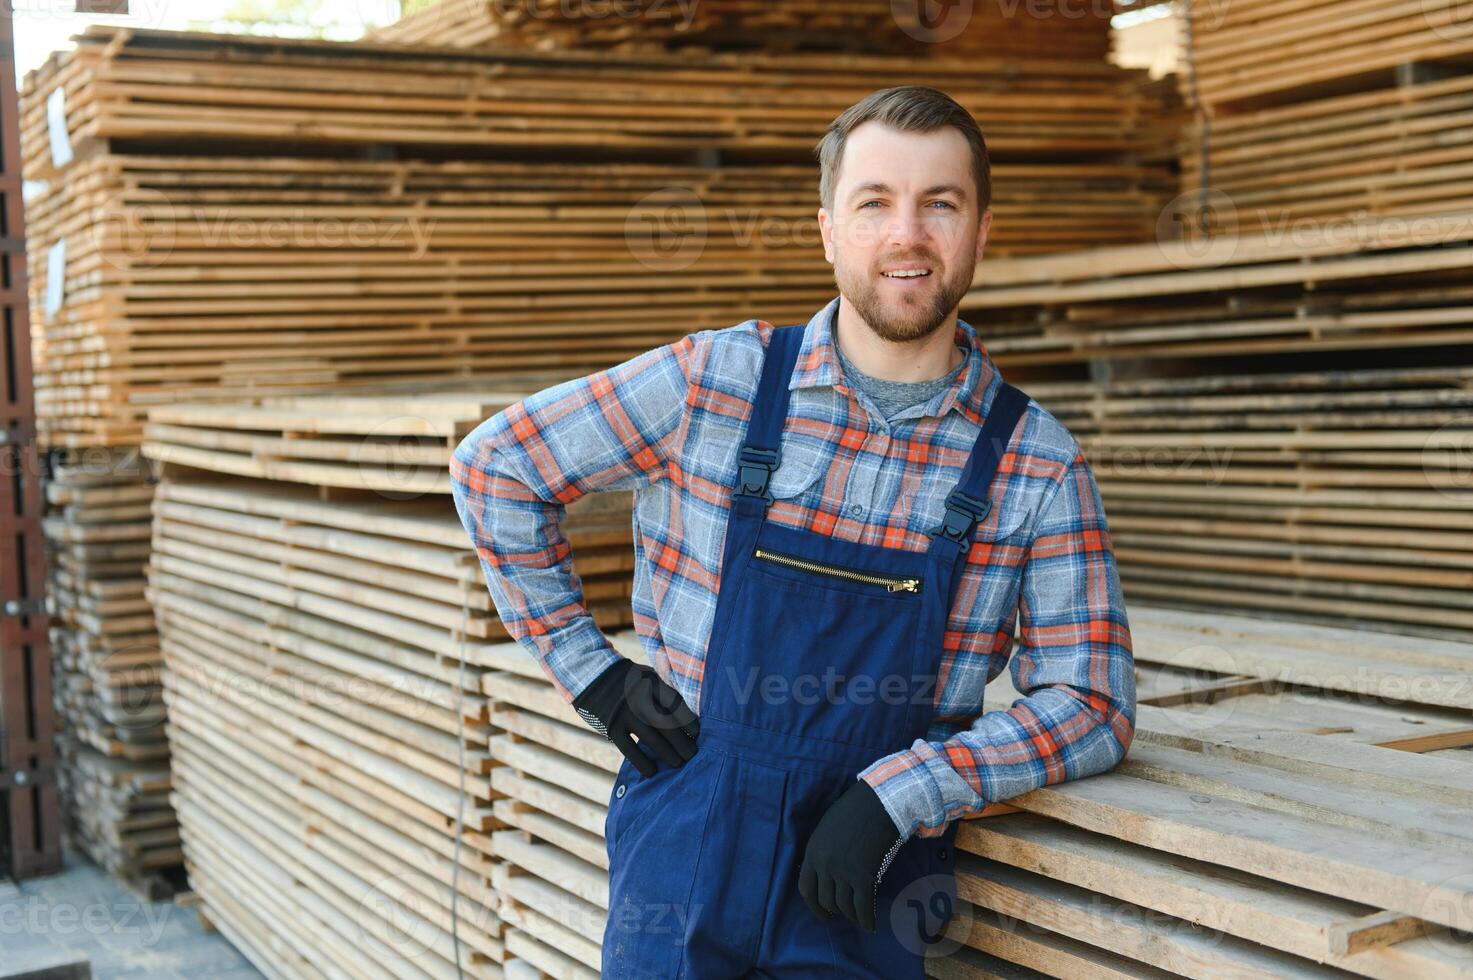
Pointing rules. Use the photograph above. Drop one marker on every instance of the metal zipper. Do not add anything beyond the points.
(890, 584)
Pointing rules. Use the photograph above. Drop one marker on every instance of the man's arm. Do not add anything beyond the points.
(1074, 665)
(513, 476)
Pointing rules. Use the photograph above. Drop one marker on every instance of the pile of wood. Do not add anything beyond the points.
(1260, 826)
(1276, 426)
(323, 620)
(1327, 494)
(872, 26)
(1264, 823)
(114, 772)
(192, 235)
(237, 272)
(1402, 150)
(162, 87)
(1257, 52)
(1316, 110)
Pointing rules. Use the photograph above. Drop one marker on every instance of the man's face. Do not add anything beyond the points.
(904, 202)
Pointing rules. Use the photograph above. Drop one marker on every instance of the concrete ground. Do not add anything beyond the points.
(84, 910)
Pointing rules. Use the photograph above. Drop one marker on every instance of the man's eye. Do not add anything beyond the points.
(947, 203)
(867, 204)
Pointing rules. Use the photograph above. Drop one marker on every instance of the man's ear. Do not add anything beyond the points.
(982, 233)
(826, 230)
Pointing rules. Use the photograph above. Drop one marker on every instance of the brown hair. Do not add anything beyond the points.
(911, 108)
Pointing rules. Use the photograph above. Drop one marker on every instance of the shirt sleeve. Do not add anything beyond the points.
(1074, 666)
(513, 476)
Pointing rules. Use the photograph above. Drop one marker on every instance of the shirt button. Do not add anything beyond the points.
(857, 510)
(620, 791)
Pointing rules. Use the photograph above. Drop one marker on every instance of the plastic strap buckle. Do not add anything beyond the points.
(963, 513)
(757, 467)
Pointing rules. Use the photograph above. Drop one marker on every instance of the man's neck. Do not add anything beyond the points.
(922, 360)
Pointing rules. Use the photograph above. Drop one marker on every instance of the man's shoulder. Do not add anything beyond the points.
(731, 357)
(1045, 436)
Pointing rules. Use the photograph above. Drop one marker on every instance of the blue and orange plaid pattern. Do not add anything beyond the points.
(667, 425)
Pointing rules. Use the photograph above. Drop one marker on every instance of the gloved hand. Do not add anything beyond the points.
(847, 855)
(630, 699)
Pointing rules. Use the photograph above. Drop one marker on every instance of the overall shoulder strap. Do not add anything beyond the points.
(968, 505)
(759, 455)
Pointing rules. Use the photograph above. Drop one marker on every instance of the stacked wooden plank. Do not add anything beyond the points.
(1315, 111)
(875, 26)
(323, 622)
(1399, 151)
(1200, 856)
(236, 271)
(1259, 826)
(1255, 52)
(1275, 425)
(312, 628)
(114, 775)
(157, 87)
(174, 268)
(1331, 494)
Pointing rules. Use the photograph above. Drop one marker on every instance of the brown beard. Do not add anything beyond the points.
(918, 319)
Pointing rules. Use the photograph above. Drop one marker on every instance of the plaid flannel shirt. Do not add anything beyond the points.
(667, 424)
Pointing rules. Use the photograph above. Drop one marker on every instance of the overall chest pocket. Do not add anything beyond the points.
(802, 463)
(1006, 522)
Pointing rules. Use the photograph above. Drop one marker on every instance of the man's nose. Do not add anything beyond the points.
(905, 228)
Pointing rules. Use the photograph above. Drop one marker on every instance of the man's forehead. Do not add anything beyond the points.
(871, 159)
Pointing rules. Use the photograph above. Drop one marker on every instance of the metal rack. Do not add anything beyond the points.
(30, 827)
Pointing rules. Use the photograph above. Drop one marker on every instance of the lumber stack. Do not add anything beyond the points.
(1314, 112)
(114, 776)
(1255, 52)
(1262, 824)
(239, 272)
(162, 87)
(323, 621)
(1274, 426)
(871, 26)
(218, 224)
(330, 647)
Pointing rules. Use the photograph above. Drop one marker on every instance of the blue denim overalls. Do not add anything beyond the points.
(823, 657)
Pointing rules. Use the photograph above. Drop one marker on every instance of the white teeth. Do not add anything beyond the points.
(907, 274)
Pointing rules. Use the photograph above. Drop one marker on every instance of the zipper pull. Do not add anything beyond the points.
(908, 585)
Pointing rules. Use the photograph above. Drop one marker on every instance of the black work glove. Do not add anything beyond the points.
(847, 855)
(630, 699)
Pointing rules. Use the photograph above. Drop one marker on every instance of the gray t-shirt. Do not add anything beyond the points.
(894, 397)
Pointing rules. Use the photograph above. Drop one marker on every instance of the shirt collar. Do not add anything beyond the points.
(818, 364)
